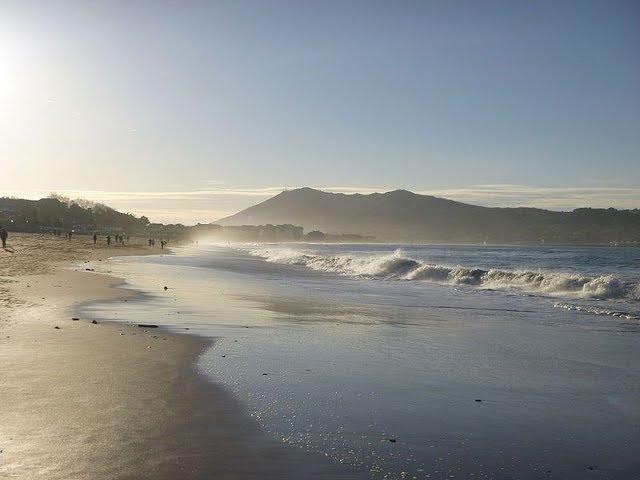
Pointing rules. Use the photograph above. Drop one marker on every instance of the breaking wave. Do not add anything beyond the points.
(398, 266)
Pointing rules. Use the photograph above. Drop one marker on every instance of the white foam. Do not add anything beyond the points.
(396, 265)
(594, 310)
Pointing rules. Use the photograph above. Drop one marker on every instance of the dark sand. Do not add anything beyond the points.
(109, 401)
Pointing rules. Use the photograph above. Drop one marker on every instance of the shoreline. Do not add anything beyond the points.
(112, 400)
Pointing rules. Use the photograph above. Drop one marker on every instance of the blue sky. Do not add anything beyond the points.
(188, 111)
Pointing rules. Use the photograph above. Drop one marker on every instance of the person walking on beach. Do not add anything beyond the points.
(108, 240)
(162, 244)
(3, 236)
(95, 238)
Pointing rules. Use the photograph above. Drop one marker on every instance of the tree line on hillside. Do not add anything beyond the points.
(62, 214)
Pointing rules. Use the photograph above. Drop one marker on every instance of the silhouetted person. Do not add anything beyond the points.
(108, 240)
(3, 237)
(150, 242)
(95, 238)
(162, 244)
(70, 233)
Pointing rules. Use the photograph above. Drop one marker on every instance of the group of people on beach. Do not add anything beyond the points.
(118, 238)
(152, 243)
(122, 238)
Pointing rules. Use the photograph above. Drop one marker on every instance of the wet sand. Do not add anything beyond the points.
(112, 401)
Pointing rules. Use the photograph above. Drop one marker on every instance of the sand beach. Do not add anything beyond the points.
(106, 401)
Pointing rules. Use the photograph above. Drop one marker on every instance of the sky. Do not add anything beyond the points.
(188, 111)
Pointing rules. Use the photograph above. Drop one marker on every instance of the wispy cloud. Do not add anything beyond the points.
(556, 198)
(205, 205)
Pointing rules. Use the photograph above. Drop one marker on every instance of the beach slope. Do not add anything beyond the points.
(106, 400)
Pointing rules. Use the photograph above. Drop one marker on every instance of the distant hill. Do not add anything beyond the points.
(59, 213)
(404, 216)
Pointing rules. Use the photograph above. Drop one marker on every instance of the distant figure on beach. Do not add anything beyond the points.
(70, 233)
(150, 242)
(108, 240)
(3, 236)
(95, 238)
(162, 244)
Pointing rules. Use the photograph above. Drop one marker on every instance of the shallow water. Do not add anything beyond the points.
(383, 372)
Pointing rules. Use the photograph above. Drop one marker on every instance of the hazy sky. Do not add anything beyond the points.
(188, 111)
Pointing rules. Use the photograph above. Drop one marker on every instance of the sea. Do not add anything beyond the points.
(415, 361)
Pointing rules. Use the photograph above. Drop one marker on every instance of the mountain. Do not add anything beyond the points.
(404, 216)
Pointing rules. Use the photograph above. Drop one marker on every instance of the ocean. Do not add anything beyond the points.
(404, 361)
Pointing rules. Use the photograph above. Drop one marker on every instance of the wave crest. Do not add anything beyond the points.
(398, 266)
